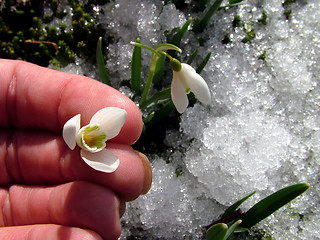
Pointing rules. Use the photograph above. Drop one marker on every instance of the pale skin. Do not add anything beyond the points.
(46, 190)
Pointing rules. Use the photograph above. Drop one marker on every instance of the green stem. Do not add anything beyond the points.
(145, 46)
(166, 54)
(153, 64)
(149, 81)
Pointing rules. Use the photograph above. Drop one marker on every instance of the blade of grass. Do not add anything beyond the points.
(136, 70)
(234, 1)
(157, 98)
(203, 63)
(203, 22)
(148, 118)
(101, 64)
(176, 40)
(193, 56)
(272, 203)
(234, 206)
(158, 72)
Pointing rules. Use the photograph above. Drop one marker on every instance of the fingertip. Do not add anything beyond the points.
(147, 172)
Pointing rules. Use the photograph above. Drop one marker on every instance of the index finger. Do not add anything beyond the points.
(35, 97)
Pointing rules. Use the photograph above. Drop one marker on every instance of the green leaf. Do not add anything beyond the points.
(136, 69)
(241, 230)
(234, 206)
(148, 118)
(203, 63)
(157, 98)
(101, 64)
(234, 1)
(203, 22)
(193, 56)
(217, 232)
(232, 228)
(272, 203)
(176, 40)
(158, 71)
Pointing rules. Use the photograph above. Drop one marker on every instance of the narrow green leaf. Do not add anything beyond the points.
(232, 228)
(241, 230)
(217, 232)
(203, 63)
(203, 22)
(152, 69)
(158, 72)
(272, 203)
(148, 118)
(231, 5)
(136, 70)
(176, 40)
(157, 98)
(234, 1)
(234, 206)
(193, 56)
(101, 63)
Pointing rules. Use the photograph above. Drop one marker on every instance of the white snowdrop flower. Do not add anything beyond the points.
(104, 125)
(186, 80)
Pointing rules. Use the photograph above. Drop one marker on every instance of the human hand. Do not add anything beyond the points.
(46, 190)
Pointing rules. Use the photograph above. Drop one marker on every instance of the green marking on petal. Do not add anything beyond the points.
(188, 90)
(90, 129)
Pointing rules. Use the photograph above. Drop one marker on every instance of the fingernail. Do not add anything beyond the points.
(147, 173)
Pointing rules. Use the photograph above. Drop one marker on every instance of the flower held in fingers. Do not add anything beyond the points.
(186, 80)
(104, 125)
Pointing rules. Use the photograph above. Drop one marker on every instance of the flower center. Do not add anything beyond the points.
(92, 139)
(89, 140)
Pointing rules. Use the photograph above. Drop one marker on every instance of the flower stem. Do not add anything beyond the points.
(145, 46)
(149, 81)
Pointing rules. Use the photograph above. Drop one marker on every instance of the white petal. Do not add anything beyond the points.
(187, 68)
(103, 161)
(110, 120)
(196, 84)
(70, 131)
(178, 93)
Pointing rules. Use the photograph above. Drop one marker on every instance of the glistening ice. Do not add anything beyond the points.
(260, 132)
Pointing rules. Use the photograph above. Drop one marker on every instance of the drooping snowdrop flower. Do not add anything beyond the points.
(186, 80)
(104, 125)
